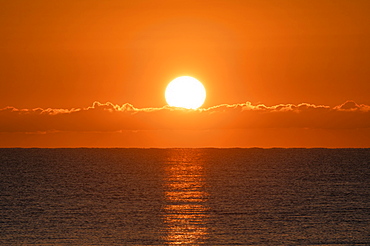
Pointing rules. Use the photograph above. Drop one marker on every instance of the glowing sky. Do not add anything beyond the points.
(277, 73)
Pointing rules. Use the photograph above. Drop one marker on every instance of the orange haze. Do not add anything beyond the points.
(237, 125)
(296, 63)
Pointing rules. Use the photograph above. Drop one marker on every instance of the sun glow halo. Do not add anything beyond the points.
(185, 92)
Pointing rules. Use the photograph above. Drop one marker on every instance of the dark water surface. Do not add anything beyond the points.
(185, 196)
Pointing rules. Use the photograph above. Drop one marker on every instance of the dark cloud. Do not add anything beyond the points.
(352, 106)
(103, 117)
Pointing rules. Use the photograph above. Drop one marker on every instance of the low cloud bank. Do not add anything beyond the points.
(108, 117)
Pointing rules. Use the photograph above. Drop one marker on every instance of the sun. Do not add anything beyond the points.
(185, 92)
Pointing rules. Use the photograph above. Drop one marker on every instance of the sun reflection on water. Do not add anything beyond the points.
(185, 213)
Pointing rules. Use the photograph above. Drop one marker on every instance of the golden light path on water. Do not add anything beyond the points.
(185, 213)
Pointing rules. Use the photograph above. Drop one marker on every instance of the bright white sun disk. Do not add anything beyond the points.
(185, 92)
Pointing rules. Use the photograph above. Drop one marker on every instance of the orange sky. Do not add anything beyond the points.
(68, 54)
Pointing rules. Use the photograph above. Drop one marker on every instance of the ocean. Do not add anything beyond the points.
(185, 196)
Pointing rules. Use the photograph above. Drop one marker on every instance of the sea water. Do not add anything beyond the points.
(184, 196)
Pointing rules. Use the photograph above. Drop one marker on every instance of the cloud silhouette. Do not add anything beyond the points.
(103, 117)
